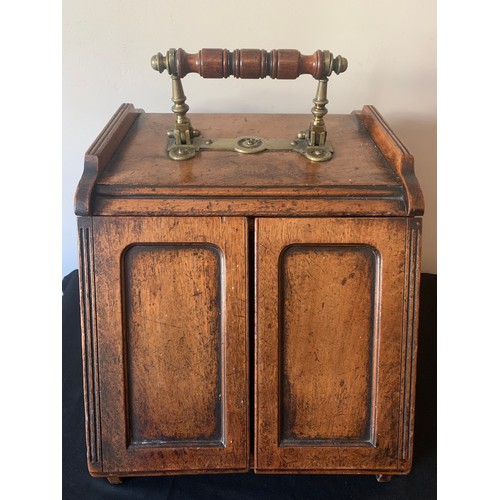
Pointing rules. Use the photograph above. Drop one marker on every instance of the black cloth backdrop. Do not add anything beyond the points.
(78, 484)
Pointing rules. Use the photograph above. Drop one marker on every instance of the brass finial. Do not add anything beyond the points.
(339, 65)
(160, 62)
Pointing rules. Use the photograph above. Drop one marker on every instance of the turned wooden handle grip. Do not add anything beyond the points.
(284, 64)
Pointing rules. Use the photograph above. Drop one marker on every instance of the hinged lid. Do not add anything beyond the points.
(128, 171)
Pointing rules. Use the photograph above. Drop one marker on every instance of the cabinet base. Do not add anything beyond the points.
(381, 477)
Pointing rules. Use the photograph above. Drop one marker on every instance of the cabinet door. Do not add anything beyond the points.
(335, 344)
(166, 383)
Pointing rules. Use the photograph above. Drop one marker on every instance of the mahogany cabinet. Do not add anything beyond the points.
(249, 311)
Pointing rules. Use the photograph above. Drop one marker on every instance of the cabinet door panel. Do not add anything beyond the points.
(173, 343)
(172, 340)
(327, 349)
(332, 385)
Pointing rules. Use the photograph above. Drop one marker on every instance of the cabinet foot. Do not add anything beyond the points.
(383, 478)
(114, 480)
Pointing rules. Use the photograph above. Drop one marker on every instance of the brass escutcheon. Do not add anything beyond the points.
(249, 145)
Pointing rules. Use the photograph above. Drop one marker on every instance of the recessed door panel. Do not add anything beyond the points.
(328, 337)
(173, 341)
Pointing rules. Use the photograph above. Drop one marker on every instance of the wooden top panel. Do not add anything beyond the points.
(141, 160)
(128, 172)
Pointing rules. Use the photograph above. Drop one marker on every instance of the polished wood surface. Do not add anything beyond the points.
(284, 64)
(99, 154)
(329, 344)
(396, 153)
(249, 311)
(172, 345)
(327, 348)
(359, 180)
(173, 304)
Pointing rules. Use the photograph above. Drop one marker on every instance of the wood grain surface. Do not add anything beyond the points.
(249, 311)
(173, 353)
(330, 342)
(327, 341)
(363, 178)
(286, 64)
(173, 312)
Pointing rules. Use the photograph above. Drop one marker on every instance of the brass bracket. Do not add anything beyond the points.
(250, 145)
(185, 141)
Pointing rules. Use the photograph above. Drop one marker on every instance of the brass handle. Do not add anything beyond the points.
(283, 64)
(249, 63)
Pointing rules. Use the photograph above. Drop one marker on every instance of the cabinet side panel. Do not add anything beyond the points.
(89, 343)
(172, 314)
(409, 341)
(328, 344)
